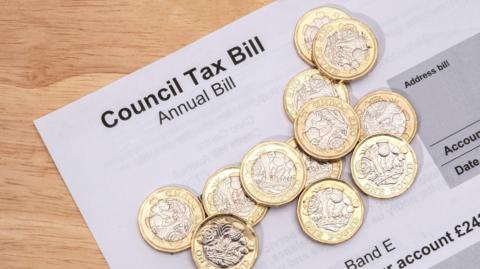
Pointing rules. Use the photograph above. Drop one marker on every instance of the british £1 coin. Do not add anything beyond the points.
(318, 170)
(273, 173)
(307, 85)
(330, 211)
(308, 26)
(327, 128)
(345, 49)
(383, 166)
(386, 112)
(223, 193)
(224, 241)
(168, 217)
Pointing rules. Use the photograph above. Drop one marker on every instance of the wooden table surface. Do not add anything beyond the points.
(52, 53)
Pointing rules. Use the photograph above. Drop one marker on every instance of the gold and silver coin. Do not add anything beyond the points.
(345, 49)
(386, 112)
(318, 170)
(383, 166)
(273, 173)
(223, 193)
(327, 128)
(330, 211)
(308, 26)
(224, 241)
(308, 85)
(168, 218)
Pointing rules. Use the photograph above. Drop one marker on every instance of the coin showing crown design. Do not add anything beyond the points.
(308, 26)
(168, 217)
(224, 241)
(383, 166)
(308, 85)
(317, 170)
(345, 49)
(386, 112)
(327, 128)
(273, 173)
(223, 193)
(330, 211)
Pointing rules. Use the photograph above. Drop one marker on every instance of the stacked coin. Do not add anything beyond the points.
(219, 226)
(327, 127)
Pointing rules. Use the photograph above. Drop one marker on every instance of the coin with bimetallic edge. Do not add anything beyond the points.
(330, 211)
(224, 241)
(345, 49)
(386, 112)
(273, 173)
(308, 26)
(308, 85)
(327, 128)
(223, 193)
(383, 166)
(316, 169)
(168, 217)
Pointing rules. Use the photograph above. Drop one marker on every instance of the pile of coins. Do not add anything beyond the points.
(308, 166)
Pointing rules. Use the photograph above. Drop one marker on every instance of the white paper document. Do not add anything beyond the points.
(179, 119)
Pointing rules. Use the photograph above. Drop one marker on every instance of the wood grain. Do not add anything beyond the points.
(53, 52)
